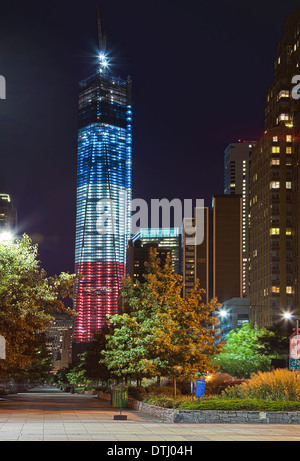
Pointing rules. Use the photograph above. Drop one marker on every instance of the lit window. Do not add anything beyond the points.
(275, 161)
(275, 138)
(289, 290)
(275, 231)
(275, 290)
(288, 138)
(274, 185)
(283, 117)
(288, 185)
(288, 232)
(283, 94)
(275, 149)
(288, 150)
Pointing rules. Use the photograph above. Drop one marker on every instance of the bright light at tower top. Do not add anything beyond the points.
(103, 61)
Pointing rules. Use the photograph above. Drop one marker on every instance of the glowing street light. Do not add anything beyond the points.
(6, 236)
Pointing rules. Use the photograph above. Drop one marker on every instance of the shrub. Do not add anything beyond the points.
(165, 401)
(239, 405)
(164, 390)
(216, 382)
(276, 385)
(138, 393)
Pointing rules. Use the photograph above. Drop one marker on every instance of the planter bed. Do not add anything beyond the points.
(211, 416)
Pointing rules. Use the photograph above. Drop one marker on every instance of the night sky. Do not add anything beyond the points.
(200, 73)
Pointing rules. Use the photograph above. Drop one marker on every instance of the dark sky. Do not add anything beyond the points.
(200, 72)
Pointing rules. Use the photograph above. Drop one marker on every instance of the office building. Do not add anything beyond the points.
(197, 259)
(166, 239)
(216, 262)
(237, 158)
(8, 214)
(227, 247)
(138, 255)
(103, 214)
(275, 199)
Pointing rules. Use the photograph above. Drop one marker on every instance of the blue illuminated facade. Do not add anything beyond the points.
(104, 192)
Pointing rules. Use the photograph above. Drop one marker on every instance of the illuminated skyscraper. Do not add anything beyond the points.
(8, 215)
(275, 186)
(237, 158)
(103, 195)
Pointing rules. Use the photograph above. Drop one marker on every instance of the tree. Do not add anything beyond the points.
(163, 334)
(88, 369)
(28, 302)
(243, 352)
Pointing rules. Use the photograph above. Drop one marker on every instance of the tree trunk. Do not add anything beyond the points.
(158, 385)
(174, 387)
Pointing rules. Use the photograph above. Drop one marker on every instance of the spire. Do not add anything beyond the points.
(101, 35)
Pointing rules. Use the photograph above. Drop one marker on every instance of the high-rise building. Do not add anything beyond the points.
(227, 247)
(8, 214)
(197, 259)
(275, 190)
(237, 158)
(166, 238)
(103, 218)
(138, 255)
(217, 261)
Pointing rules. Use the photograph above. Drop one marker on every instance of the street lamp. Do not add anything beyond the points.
(290, 316)
(6, 236)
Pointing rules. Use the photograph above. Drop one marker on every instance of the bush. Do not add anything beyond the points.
(138, 393)
(217, 382)
(276, 385)
(239, 405)
(164, 390)
(165, 401)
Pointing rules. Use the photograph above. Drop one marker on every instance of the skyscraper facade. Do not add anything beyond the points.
(217, 261)
(237, 159)
(275, 186)
(166, 238)
(8, 214)
(103, 215)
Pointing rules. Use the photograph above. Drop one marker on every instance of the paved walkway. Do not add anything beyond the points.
(53, 415)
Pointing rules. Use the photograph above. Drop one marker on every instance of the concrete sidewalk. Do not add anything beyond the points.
(59, 416)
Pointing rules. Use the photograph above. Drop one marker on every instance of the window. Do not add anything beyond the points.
(288, 150)
(275, 161)
(274, 185)
(288, 138)
(288, 185)
(275, 290)
(275, 231)
(288, 231)
(289, 290)
(283, 117)
(275, 138)
(275, 149)
(283, 94)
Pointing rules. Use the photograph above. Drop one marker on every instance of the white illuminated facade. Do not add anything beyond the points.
(237, 157)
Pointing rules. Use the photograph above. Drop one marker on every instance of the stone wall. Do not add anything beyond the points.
(211, 416)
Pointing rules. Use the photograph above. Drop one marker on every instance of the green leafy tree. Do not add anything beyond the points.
(163, 334)
(28, 302)
(243, 352)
